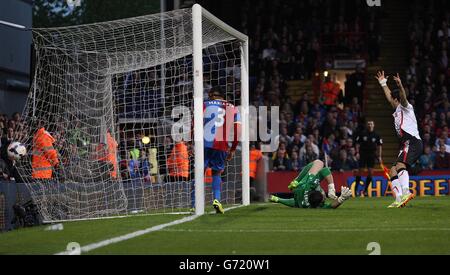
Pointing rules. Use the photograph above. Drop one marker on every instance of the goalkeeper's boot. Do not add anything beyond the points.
(192, 210)
(218, 206)
(405, 199)
(293, 185)
(395, 204)
(274, 198)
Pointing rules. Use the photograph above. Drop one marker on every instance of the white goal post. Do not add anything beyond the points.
(116, 82)
(197, 14)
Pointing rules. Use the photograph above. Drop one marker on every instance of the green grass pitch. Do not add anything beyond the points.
(266, 229)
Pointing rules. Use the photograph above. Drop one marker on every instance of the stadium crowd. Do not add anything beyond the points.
(288, 40)
(428, 79)
(282, 51)
(11, 129)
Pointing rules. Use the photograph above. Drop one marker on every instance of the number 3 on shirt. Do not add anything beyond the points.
(220, 120)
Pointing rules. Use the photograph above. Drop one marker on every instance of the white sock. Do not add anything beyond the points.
(397, 189)
(403, 177)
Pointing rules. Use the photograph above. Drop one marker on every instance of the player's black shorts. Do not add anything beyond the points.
(366, 160)
(410, 151)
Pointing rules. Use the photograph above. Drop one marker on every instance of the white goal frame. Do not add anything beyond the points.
(197, 13)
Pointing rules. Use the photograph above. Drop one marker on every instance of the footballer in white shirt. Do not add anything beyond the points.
(411, 145)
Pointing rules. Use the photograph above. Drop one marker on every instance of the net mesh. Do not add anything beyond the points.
(99, 89)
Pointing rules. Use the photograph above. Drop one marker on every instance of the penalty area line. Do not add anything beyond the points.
(138, 233)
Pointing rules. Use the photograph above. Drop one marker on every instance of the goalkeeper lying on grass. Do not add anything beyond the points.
(307, 190)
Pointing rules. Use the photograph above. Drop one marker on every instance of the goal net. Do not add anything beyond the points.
(117, 97)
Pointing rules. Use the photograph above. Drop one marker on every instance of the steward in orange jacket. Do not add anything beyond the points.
(112, 154)
(330, 93)
(178, 162)
(255, 156)
(208, 175)
(44, 154)
(109, 154)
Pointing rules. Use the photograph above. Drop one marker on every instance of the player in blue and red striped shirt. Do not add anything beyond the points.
(221, 126)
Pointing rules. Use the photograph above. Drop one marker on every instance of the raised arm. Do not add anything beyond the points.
(383, 82)
(403, 99)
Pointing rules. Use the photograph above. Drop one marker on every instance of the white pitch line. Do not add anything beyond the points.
(116, 217)
(17, 26)
(302, 230)
(135, 234)
(228, 209)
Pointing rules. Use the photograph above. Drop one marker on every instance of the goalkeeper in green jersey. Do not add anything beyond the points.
(307, 190)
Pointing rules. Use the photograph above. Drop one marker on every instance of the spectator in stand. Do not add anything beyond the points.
(282, 161)
(144, 166)
(284, 134)
(353, 157)
(318, 108)
(356, 109)
(303, 150)
(269, 52)
(354, 86)
(282, 146)
(308, 156)
(123, 168)
(330, 126)
(348, 144)
(443, 137)
(296, 142)
(331, 146)
(4, 171)
(427, 159)
(441, 143)
(428, 136)
(303, 103)
(133, 165)
(343, 163)
(296, 162)
(16, 117)
(9, 135)
(442, 159)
